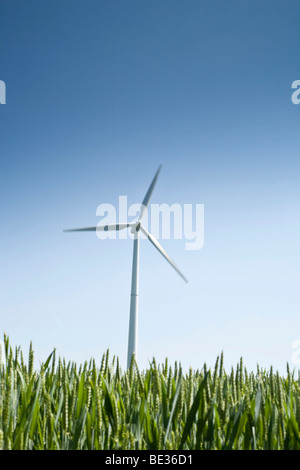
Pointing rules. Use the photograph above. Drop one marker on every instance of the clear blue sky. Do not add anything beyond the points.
(99, 93)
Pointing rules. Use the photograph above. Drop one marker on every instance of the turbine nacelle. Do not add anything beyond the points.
(137, 227)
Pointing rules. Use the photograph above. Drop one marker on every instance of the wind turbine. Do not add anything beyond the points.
(136, 228)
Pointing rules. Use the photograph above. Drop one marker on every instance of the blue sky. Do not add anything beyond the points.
(99, 93)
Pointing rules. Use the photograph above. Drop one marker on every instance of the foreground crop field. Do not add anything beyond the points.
(66, 406)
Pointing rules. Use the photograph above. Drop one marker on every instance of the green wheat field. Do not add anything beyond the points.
(65, 406)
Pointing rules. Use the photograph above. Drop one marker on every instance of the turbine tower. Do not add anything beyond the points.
(136, 228)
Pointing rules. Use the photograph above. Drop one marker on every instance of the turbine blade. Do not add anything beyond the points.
(149, 193)
(101, 228)
(162, 251)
